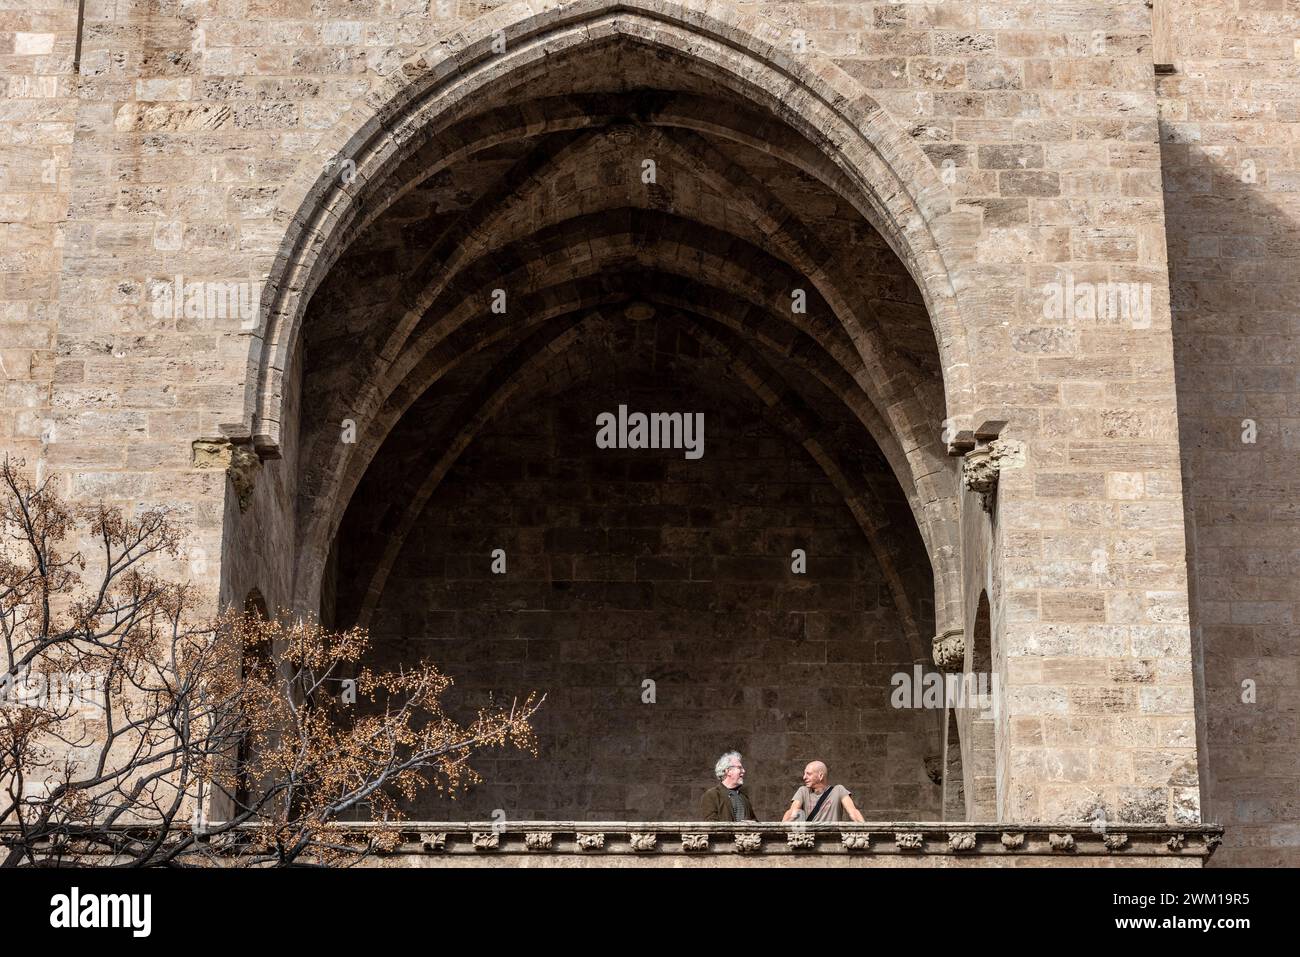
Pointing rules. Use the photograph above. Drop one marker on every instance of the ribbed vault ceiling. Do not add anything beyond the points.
(541, 193)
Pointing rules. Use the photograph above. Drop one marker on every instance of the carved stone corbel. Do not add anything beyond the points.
(979, 473)
(695, 842)
(538, 840)
(748, 842)
(431, 841)
(594, 841)
(961, 840)
(934, 768)
(800, 840)
(643, 841)
(240, 462)
(1061, 842)
(983, 464)
(949, 649)
(856, 840)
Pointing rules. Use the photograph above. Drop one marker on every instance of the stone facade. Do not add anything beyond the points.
(253, 249)
(1228, 125)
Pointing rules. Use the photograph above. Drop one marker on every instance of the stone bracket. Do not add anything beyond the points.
(949, 649)
(238, 459)
(987, 459)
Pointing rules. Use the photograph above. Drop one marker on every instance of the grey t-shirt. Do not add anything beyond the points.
(831, 810)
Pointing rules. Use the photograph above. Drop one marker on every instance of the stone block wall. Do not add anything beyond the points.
(624, 566)
(1230, 124)
(37, 114)
(181, 147)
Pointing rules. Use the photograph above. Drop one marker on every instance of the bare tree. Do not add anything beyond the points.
(121, 718)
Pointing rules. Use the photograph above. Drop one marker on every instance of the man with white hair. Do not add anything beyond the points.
(816, 801)
(728, 801)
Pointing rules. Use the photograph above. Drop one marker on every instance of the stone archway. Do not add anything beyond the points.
(808, 112)
(501, 177)
(897, 188)
(930, 298)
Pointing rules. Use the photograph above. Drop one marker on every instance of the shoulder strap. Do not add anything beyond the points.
(821, 800)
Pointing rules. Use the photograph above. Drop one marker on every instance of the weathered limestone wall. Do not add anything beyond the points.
(1230, 118)
(37, 113)
(196, 122)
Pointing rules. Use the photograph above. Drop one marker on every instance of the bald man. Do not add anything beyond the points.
(818, 801)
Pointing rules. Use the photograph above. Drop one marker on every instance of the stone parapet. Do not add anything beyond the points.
(711, 844)
(880, 844)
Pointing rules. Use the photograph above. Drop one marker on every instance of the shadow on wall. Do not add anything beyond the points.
(1235, 293)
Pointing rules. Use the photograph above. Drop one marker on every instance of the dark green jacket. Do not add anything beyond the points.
(715, 805)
